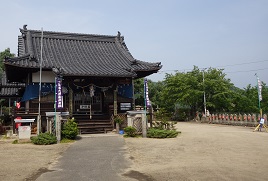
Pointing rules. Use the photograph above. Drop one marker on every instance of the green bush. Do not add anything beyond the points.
(164, 124)
(44, 139)
(70, 129)
(118, 120)
(130, 131)
(15, 142)
(161, 133)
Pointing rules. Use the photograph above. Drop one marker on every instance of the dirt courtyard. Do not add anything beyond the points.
(203, 152)
(200, 152)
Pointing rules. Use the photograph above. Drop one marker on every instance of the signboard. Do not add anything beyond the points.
(19, 120)
(84, 106)
(59, 98)
(24, 132)
(125, 106)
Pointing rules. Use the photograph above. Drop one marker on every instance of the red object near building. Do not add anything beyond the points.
(17, 125)
(18, 105)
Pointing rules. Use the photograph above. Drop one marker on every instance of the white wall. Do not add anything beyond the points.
(47, 77)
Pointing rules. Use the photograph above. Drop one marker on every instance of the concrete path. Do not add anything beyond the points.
(92, 158)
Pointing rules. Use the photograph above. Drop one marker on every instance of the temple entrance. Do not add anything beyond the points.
(84, 103)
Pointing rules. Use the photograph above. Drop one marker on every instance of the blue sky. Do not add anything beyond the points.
(229, 34)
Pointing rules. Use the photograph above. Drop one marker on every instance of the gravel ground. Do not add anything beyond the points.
(200, 152)
(26, 161)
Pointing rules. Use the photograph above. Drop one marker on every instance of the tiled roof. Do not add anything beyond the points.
(9, 89)
(79, 54)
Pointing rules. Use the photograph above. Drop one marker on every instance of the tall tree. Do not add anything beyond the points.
(218, 90)
(154, 90)
(182, 88)
(139, 91)
(264, 102)
(187, 90)
(3, 54)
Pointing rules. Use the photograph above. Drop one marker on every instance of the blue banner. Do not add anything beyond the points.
(125, 90)
(32, 91)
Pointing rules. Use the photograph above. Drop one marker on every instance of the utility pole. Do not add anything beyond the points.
(40, 86)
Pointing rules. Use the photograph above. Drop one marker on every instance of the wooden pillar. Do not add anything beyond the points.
(133, 92)
(151, 116)
(27, 107)
(70, 101)
(115, 101)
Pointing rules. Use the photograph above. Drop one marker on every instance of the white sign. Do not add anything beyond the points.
(24, 120)
(125, 106)
(84, 106)
(24, 132)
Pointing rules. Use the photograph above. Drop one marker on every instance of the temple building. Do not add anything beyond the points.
(94, 76)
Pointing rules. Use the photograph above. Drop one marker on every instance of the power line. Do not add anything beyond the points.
(183, 70)
(247, 70)
(242, 63)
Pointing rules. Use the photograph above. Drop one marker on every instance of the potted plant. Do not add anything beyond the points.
(118, 121)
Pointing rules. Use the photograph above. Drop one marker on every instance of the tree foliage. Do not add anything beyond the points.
(3, 54)
(183, 93)
(187, 90)
(139, 91)
(264, 102)
(155, 89)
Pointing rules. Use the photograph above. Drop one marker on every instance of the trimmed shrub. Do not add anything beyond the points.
(118, 120)
(163, 124)
(161, 133)
(15, 142)
(70, 129)
(44, 139)
(130, 131)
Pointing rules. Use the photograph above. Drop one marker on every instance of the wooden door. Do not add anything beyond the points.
(83, 102)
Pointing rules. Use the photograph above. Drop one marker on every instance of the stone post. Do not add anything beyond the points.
(58, 127)
(144, 125)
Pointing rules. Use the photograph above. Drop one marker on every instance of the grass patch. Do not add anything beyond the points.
(21, 142)
(15, 142)
(65, 140)
(136, 136)
(5, 137)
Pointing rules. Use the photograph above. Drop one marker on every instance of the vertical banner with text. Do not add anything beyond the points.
(259, 89)
(146, 94)
(59, 99)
